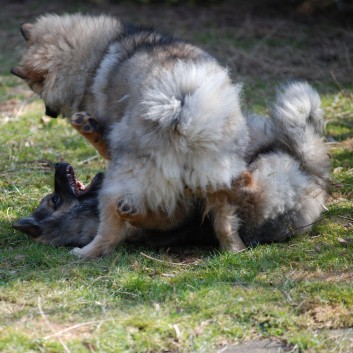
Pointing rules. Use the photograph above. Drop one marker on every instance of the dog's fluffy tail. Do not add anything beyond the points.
(197, 103)
(298, 119)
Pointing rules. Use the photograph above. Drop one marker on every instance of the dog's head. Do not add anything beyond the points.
(69, 215)
(41, 65)
(62, 54)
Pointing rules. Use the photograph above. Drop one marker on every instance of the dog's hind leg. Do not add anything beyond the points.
(225, 222)
(89, 127)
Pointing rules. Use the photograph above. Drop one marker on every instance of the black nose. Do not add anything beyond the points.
(51, 112)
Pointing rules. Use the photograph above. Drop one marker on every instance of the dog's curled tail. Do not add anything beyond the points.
(197, 103)
(297, 105)
(299, 119)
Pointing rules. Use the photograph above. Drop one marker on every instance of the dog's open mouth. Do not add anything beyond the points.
(77, 187)
(66, 177)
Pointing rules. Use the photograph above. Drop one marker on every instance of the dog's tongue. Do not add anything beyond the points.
(76, 185)
(79, 186)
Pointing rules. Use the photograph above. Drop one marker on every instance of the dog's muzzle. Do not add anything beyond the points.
(51, 112)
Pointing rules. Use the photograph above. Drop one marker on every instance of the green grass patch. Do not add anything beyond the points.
(177, 300)
(132, 303)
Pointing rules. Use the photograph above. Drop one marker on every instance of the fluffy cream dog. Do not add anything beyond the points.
(171, 117)
(284, 195)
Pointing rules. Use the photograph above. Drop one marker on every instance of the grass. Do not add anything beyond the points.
(180, 300)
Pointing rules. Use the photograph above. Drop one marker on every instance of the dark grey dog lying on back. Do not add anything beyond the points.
(69, 217)
(282, 194)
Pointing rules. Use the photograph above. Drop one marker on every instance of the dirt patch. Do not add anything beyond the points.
(336, 277)
(348, 143)
(318, 315)
(330, 315)
(343, 338)
(251, 38)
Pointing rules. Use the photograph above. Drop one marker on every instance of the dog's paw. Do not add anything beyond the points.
(85, 123)
(126, 207)
(234, 247)
(83, 253)
(77, 252)
(92, 130)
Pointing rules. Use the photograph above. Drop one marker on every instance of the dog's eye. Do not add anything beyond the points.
(55, 199)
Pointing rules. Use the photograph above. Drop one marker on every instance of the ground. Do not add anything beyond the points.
(296, 296)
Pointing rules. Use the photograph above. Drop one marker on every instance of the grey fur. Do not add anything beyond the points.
(170, 112)
(289, 167)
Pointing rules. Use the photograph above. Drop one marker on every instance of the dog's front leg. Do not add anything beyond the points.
(89, 127)
(112, 230)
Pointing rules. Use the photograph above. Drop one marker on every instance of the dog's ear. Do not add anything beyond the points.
(26, 29)
(28, 225)
(97, 182)
(20, 72)
(245, 180)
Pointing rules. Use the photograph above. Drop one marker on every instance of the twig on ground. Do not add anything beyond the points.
(71, 328)
(85, 161)
(336, 81)
(346, 218)
(21, 108)
(8, 214)
(325, 208)
(55, 334)
(307, 225)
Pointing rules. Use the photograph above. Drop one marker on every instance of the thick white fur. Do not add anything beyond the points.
(297, 104)
(187, 131)
(291, 179)
(288, 193)
(298, 116)
(170, 111)
(286, 188)
(101, 81)
(65, 44)
(261, 134)
(174, 122)
(286, 197)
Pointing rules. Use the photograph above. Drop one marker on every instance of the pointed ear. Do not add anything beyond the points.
(20, 72)
(97, 182)
(28, 226)
(26, 29)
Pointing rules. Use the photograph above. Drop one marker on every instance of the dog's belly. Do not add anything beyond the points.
(156, 182)
(148, 187)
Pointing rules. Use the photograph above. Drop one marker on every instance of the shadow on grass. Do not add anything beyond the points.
(138, 274)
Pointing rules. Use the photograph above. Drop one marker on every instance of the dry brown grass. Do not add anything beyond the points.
(255, 44)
